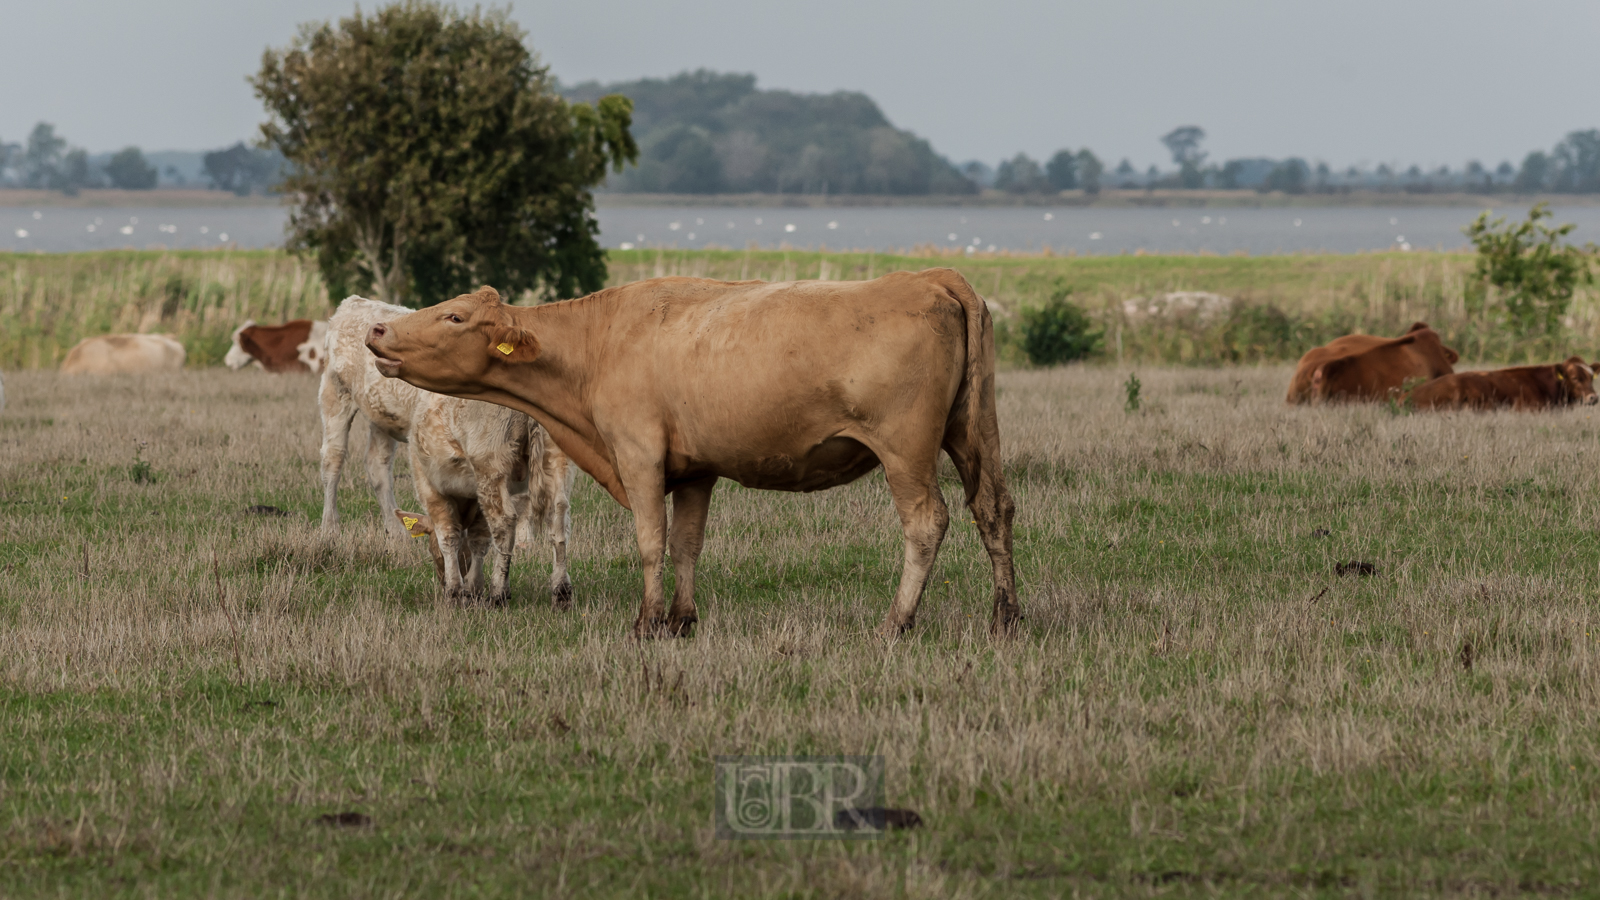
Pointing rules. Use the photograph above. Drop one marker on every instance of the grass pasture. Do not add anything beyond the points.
(191, 697)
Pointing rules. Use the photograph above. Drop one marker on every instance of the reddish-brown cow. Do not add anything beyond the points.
(297, 346)
(1368, 367)
(1521, 387)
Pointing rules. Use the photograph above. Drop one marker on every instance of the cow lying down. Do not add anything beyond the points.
(1520, 387)
(486, 475)
(1369, 367)
(297, 346)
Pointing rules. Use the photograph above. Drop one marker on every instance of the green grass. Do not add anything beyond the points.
(1197, 703)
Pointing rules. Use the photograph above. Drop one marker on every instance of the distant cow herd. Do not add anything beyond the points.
(1416, 369)
(662, 387)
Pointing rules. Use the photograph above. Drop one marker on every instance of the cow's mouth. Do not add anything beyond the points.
(387, 367)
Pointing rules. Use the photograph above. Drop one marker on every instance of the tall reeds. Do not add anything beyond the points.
(1279, 306)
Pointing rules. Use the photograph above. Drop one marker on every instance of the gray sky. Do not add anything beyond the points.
(1356, 81)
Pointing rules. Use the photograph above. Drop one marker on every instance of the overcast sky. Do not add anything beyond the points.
(1355, 81)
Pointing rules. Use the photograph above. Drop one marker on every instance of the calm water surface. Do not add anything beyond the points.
(1086, 231)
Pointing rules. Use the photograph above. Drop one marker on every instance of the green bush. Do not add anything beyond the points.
(1058, 331)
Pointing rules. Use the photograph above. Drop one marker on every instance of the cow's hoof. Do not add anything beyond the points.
(890, 630)
(650, 631)
(561, 595)
(681, 628)
(501, 599)
(1006, 623)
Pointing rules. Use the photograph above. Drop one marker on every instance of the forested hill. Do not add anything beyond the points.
(708, 133)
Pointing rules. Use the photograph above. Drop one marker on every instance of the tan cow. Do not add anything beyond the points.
(297, 346)
(125, 354)
(468, 459)
(664, 386)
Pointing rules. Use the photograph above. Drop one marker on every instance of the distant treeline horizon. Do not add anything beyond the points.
(709, 133)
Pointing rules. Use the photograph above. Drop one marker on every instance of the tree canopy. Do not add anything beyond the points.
(428, 153)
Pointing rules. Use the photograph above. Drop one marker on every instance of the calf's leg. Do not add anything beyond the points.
(338, 410)
(499, 508)
(690, 504)
(380, 476)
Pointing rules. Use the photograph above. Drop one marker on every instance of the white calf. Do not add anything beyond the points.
(473, 463)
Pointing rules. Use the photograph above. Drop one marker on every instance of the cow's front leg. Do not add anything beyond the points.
(690, 504)
(646, 489)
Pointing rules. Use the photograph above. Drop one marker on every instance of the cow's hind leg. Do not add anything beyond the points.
(690, 504)
(914, 483)
(992, 511)
(338, 410)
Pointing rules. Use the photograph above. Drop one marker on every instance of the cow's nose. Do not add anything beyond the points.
(1591, 400)
(378, 331)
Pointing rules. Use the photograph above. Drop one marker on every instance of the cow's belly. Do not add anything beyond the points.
(830, 463)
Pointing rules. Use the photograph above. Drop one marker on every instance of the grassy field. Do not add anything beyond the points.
(191, 696)
(1283, 305)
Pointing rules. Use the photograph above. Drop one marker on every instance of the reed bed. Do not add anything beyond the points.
(1278, 306)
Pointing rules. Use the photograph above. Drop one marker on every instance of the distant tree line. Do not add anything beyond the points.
(47, 161)
(708, 133)
(1571, 167)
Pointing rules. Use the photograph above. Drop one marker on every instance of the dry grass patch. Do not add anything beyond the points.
(1199, 703)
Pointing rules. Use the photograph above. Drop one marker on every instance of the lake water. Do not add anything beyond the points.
(1083, 230)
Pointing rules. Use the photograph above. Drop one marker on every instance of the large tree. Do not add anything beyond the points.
(428, 153)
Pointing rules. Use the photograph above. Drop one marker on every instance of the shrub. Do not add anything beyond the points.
(1058, 331)
(1535, 272)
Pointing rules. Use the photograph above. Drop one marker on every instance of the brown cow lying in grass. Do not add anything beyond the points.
(486, 474)
(297, 346)
(664, 386)
(1367, 367)
(1521, 387)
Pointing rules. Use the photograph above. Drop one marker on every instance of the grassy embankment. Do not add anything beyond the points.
(1283, 304)
(1197, 704)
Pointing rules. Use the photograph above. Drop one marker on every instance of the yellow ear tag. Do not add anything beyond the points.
(504, 348)
(411, 526)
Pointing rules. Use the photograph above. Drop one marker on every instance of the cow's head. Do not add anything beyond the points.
(451, 348)
(1579, 379)
(238, 357)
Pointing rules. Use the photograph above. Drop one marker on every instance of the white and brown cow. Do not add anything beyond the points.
(297, 346)
(486, 475)
(125, 354)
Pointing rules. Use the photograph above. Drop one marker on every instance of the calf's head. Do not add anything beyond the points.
(453, 347)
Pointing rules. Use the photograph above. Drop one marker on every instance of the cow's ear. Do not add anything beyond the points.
(416, 524)
(510, 343)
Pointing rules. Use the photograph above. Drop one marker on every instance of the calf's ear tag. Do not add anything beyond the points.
(504, 348)
(411, 526)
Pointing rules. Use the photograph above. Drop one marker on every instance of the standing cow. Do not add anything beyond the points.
(297, 346)
(125, 354)
(468, 460)
(665, 386)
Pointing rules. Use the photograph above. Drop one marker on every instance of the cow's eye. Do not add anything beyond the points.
(455, 318)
